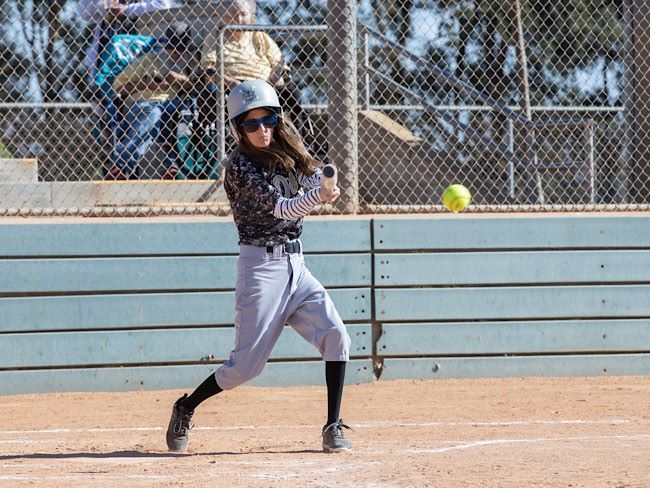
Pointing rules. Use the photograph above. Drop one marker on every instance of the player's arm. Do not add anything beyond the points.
(327, 176)
(300, 206)
(255, 191)
(256, 194)
(313, 181)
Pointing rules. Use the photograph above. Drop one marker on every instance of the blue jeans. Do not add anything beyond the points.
(142, 124)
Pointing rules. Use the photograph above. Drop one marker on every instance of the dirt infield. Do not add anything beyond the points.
(569, 432)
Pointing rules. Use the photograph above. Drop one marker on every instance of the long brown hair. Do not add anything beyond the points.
(286, 149)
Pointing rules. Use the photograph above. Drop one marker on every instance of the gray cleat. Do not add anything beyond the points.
(178, 432)
(333, 438)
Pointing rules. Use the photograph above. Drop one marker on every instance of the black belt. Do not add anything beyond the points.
(290, 247)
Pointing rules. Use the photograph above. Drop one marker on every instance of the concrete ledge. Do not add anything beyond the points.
(18, 170)
(110, 193)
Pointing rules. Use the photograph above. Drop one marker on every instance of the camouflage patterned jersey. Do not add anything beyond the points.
(268, 208)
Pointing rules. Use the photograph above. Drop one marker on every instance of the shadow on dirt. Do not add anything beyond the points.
(146, 454)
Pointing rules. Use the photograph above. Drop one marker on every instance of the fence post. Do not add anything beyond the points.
(532, 176)
(342, 96)
(366, 71)
(637, 98)
(221, 109)
(592, 163)
(511, 164)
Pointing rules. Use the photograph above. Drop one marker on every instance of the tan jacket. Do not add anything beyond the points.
(254, 56)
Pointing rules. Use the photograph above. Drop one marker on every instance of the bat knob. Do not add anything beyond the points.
(329, 171)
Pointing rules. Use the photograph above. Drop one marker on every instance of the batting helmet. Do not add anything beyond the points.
(248, 95)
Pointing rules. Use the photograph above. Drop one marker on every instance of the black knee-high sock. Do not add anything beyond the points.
(204, 391)
(334, 377)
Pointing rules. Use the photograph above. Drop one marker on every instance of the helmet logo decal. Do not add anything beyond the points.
(248, 95)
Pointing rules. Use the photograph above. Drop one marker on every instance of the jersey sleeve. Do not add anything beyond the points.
(313, 181)
(300, 206)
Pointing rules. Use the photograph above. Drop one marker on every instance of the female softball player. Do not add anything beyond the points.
(264, 180)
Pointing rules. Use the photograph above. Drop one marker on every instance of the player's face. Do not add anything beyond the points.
(260, 123)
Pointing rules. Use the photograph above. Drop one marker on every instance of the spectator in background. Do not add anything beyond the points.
(113, 17)
(249, 55)
(152, 88)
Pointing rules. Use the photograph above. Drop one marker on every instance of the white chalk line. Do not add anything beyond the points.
(29, 441)
(89, 476)
(490, 442)
(364, 425)
(330, 468)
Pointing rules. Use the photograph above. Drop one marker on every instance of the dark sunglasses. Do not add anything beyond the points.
(251, 125)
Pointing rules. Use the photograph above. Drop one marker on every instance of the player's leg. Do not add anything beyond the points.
(205, 390)
(334, 379)
(262, 292)
(315, 318)
(183, 410)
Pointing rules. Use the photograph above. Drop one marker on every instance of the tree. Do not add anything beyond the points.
(46, 44)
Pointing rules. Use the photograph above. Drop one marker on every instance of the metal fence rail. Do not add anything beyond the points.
(532, 105)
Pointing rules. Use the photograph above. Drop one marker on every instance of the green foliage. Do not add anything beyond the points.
(4, 152)
(44, 45)
(561, 38)
(572, 34)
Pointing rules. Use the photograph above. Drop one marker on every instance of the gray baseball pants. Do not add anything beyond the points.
(274, 289)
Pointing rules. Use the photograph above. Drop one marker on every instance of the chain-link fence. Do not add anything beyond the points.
(118, 107)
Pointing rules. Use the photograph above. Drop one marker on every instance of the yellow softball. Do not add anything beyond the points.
(456, 197)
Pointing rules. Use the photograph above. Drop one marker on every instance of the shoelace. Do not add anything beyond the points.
(184, 423)
(337, 426)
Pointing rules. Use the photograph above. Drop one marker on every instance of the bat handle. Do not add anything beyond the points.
(330, 176)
